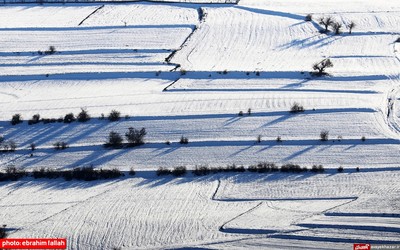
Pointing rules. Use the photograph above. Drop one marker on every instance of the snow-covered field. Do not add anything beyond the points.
(187, 69)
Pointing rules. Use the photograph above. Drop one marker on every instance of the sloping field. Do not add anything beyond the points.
(217, 212)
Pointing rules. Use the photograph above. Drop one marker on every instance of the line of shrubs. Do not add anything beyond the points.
(82, 116)
(83, 173)
(90, 174)
(262, 167)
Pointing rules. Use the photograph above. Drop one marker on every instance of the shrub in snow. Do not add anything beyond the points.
(201, 170)
(296, 108)
(321, 67)
(51, 50)
(357, 169)
(363, 138)
(3, 232)
(340, 169)
(183, 72)
(48, 173)
(163, 171)
(351, 26)
(114, 140)
(240, 113)
(324, 135)
(83, 116)
(308, 18)
(278, 139)
(249, 111)
(32, 146)
(259, 139)
(35, 119)
(135, 137)
(68, 118)
(114, 115)
(184, 140)
(317, 169)
(168, 142)
(234, 168)
(326, 22)
(179, 171)
(60, 145)
(16, 119)
(291, 168)
(12, 174)
(132, 172)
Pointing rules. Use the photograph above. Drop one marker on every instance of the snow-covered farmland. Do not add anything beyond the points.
(187, 69)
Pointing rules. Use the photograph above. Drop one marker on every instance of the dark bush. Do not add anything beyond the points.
(16, 119)
(259, 139)
(179, 171)
(278, 139)
(249, 111)
(324, 135)
(114, 140)
(135, 137)
(68, 118)
(83, 116)
(12, 174)
(48, 173)
(358, 169)
(60, 145)
(340, 169)
(184, 140)
(216, 170)
(108, 173)
(3, 232)
(32, 146)
(132, 171)
(201, 170)
(321, 67)
(168, 142)
(240, 113)
(114, 115)
(363, 138)
(296, 108)
(163, 171)
(234, 168)
(317, 169)
(50, 51)
(35, 119)
(308, 18)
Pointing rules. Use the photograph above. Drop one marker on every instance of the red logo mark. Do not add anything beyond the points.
(361, 247)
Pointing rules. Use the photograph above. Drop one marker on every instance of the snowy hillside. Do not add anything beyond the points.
(225, 76)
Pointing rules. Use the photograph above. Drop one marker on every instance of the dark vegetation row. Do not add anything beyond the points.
(12, 173)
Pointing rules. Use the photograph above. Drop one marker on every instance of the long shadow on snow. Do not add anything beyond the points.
(80, 28)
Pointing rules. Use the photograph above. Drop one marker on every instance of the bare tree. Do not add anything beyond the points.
(322, 65)
(351, 26)
(336, 27)
(326, 22)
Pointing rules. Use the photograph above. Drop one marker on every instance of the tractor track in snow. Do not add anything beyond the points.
(270, 205)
